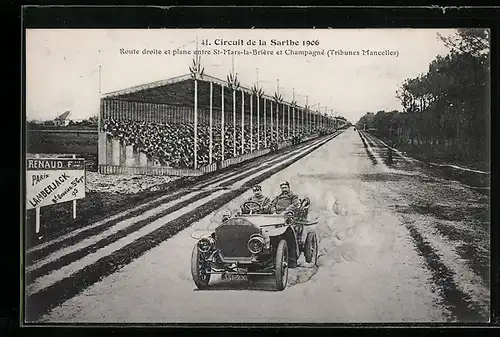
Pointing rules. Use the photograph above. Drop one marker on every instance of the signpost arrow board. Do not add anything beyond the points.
(54, 180)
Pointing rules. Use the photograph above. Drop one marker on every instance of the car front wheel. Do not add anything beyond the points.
(311, 248)
(198, 269)
(281, 265)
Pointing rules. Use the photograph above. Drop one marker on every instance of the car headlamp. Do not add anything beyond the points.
(205, 244)
(226, 215)
(256, 244)
(289, 218)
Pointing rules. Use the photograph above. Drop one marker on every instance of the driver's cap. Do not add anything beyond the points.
(285, 183)
(257, 188)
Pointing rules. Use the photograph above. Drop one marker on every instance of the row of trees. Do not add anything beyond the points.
(89, 122)
(447, 109)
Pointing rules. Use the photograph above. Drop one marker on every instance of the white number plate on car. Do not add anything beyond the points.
(232, 277)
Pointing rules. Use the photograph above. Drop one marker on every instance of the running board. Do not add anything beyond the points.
(236, 273)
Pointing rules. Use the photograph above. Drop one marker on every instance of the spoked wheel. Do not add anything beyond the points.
(198, 269)
(311, 248)
(281, 265)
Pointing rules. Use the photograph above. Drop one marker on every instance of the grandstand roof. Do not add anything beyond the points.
(178, 91)
(63, 116)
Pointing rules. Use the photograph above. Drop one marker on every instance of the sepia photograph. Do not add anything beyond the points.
(257, 176)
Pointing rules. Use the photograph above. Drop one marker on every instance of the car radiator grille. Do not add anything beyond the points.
(232, 239)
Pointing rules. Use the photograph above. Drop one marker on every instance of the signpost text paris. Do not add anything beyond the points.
(54, 180)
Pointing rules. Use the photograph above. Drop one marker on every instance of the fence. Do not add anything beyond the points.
(245, 157)
(127, 161)
(160, 170)
(157, 171)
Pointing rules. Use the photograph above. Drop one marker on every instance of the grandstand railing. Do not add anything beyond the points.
(245, 157)
(284, 144)
(149, 170)
(169, 171)
(152, 169)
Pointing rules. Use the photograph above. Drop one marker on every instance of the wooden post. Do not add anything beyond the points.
(251, 123)
(234, 122)
(242, 121)
(271, 121)
(210, 147)
(74, 201)
(265, 124)
(283, 122)
(195, 124)
(277, 120)
(288, 133)
(258, 122)
(222, 125)
(37, 220)
(37, 211)
(303, 118)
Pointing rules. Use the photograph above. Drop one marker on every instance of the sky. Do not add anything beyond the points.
(62, 65)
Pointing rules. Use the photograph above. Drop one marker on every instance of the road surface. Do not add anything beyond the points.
(397, 244)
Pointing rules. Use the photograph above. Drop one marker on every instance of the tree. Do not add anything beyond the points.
(93, 120)
(472, 41)
(447, 105)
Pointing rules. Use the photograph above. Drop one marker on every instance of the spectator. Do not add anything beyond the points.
(172, 144)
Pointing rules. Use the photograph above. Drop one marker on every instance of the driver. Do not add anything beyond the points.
(287, 200)
(263, 201)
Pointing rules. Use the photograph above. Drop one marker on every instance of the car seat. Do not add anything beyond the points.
(303, 212)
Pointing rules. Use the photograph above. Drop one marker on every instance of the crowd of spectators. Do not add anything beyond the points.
(172, 145)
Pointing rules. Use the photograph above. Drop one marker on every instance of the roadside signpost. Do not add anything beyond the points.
(52, 181)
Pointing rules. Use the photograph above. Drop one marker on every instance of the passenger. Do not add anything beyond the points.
(286, 201)
(258, 197)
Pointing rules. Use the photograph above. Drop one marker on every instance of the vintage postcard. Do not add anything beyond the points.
(257, 176)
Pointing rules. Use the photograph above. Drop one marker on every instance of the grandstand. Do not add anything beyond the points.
(183, 126)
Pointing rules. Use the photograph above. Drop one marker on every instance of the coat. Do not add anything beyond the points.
(286, 201)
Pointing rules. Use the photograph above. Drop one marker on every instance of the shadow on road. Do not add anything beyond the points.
(261, 284)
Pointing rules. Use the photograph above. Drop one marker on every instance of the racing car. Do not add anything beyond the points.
(255, 245)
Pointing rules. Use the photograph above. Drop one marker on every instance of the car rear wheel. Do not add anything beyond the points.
(281, 265)
(311, 248)
(198, 269)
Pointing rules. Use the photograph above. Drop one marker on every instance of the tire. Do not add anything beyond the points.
(281, 265)
(311, 248)
(200, 278)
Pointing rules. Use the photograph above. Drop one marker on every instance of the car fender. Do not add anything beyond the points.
(273, 231)
(291, 238)
(289, 234)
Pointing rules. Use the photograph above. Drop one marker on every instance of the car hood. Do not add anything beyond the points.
(263, 220)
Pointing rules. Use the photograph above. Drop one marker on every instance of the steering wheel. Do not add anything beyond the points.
(252, 206)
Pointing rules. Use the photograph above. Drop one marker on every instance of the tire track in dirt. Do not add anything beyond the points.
(370, 141)
(461, 302)
(370, 154)
(73, 256)
(38, 254)
(473, 215)
(461, 306)
(476, 259)
(76, 255)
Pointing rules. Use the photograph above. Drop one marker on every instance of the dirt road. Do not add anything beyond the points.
(396, 245)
